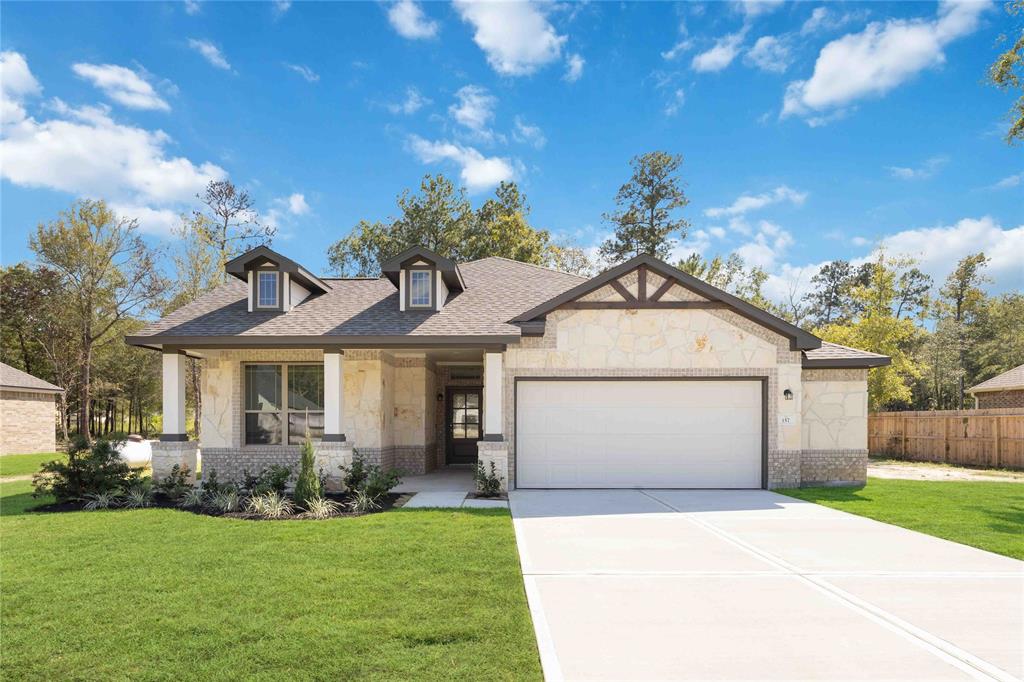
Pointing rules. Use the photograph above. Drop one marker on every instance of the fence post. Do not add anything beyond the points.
(998, 436)
(945, 439)
(903, 436)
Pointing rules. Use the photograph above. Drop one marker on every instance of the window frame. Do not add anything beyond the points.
(430, 271)
(258, 274)
(285, 410)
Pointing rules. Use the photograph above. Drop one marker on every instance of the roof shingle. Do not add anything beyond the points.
(1007, 381)
(11, 377)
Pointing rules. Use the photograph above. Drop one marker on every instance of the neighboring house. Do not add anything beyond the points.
(643, 376)
(1003, 390)
(28, 413)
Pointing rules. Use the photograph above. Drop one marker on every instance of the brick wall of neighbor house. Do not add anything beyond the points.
(835, 426)
(996, 399)
(660, 343)
(383, 395)
(27, 422)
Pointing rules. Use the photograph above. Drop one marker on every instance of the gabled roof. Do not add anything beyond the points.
(448, 268)
(15, 378)
(239, 267)
(836, 356)
(799, 339)
(1010, 380)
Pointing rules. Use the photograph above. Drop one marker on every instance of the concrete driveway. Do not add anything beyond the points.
(669, 585)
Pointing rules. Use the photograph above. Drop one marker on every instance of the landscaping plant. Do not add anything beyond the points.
(175, 484)
(272, 479)
(355, 474)
(140, 494)
(270, 505)
(488, 484)
(192, 499)
(321, 508)
(87, 471)
(103, 500)
(370, 479)
(307, 486)
(362, 502)
(226, 500)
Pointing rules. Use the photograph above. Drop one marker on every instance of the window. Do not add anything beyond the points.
(273, 416)
(266, 290)
(419, 288)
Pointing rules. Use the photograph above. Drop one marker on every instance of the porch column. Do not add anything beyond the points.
(493, 397)
(333, 451)
(174, 448)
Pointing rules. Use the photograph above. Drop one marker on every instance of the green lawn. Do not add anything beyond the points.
(977, 513)
(18, 465)
(163, 594)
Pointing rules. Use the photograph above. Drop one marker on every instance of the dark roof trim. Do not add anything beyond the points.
(164, 341)
(799, 339)
(239, 267)
(448, 268)
(846, 363)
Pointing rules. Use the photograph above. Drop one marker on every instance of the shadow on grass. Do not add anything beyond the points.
(20, 504)
(837, 494)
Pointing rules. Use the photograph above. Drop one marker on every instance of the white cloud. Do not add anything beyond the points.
(922, 172)
(529, 134)
(1009, 181)
(860, 241)
(573, 68)
(747, 202)
(879, 58)
(309, 74)
(720, 55)
(516, 36)
(675, 102)
(297, 204)
(477, 171)
(768, 245)
(85, 152)
(717, 232)
(193, 7)
(769, 54)
(474, 109)
(683, 44)
(122, 85)
(756, 8)
(281, 7)
(412, 103)
(823, 19)
(210, 53)
(408, 19)
(156, 221)
(16, 85)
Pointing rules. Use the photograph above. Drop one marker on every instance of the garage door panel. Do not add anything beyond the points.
(639, 434)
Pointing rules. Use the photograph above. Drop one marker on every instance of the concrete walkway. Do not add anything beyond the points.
(674, 585)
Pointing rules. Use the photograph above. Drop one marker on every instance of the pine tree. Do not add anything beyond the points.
(307, 487)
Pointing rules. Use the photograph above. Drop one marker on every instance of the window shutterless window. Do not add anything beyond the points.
(266, 290)
(419, 288)
(274, 416)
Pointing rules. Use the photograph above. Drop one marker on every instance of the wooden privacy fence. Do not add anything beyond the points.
(992, 438)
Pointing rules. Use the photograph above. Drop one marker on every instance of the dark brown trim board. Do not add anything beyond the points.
(738, 377)
(330, 342)
(645, 305)
(621, 291)
(846, 363)
(663, 289)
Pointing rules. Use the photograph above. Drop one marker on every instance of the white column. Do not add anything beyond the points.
(334, 396)
(401, 290)
(248, 276)
(173, 396)
(493, 396)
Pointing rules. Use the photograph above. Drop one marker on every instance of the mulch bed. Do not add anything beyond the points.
(478, 496)
(162, 502)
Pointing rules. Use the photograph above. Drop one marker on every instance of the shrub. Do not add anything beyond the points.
(270, 505)
(379, 482)
(488, 484)
(87, 471)
(103, 500)
(363, 503)
(140, 494)
(175, 484)
(192, 498)
(272, 479)
(226, 500)
(321, 508)
(307, 486)
(354, 475)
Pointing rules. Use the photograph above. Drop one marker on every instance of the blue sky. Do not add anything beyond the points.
(809, 131)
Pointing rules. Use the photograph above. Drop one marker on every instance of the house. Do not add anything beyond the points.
(28, 413)
(1003, 390)
(643, 376)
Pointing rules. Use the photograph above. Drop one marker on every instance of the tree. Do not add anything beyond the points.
(961, 300)
(501, 229)
(570, 259)
(997, 337)
(1007, 73)
(108, 272)
(912, 292)
(731, 274)
(647, 206)
(831, 286)
(359, 254)
(232, 224)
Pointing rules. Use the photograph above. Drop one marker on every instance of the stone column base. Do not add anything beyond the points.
(495, 451)
(166, 454)
(329, 458)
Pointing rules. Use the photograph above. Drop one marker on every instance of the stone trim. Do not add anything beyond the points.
(167, 454)
(833, 467)
(834, 375)
(232, 463)
(784, 468)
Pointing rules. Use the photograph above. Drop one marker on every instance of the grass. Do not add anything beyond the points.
(160, 594)
(983, 514)
(19, 465)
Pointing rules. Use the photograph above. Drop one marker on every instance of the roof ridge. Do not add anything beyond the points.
(839, 345)
(532, 265)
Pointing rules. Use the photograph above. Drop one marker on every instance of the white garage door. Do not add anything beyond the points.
(638, 434)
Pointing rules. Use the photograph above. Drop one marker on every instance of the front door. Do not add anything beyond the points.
(463, 425)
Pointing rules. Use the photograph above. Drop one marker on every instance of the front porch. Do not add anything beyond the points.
(416, 411)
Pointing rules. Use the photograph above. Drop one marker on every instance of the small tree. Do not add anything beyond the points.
(307, 487)
(232, 224)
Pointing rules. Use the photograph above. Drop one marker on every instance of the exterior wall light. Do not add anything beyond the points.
(787, 394)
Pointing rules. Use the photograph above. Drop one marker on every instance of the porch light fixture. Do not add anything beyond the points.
(787, 394)
(440, 397)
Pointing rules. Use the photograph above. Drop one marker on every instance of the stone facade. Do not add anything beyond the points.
(835, 427)
(833, 467)
(495, 452)
(28, 422)
(168, 454)
(996, 399)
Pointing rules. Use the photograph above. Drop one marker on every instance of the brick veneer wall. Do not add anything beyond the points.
(833, 467)
(997, 399)
(28, 422)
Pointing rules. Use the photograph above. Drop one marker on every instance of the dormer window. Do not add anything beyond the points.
(267, 289)
(420, 289)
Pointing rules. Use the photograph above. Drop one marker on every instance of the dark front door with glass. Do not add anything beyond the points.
(463, 425)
